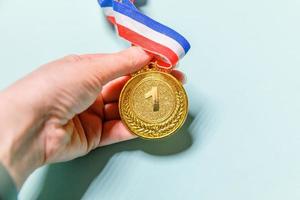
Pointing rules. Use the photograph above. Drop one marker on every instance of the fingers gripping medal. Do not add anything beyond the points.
(153, 104)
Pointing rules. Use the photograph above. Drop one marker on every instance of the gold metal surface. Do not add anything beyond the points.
(153, 104)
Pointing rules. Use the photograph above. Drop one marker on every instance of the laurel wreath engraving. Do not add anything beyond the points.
(154, 130)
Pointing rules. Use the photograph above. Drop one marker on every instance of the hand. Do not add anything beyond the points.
(65, 109)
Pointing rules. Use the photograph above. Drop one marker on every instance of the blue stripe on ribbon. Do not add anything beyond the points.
(147, 21)
(105, 3)
(129, 4)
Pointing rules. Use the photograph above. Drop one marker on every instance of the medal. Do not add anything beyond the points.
(153, 104)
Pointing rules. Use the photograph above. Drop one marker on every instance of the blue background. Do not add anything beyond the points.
(242, 136)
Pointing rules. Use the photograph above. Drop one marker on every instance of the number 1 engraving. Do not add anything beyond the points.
(154, 94)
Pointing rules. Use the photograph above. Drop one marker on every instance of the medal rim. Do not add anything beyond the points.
(169, 76)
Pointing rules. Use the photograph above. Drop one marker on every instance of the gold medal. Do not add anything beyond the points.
(153, 104)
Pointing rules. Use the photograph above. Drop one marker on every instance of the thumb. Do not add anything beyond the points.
(110, 66)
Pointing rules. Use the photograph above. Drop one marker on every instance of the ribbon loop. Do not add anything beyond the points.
(132, 25)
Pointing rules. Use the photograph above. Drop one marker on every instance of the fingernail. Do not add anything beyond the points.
(142, 52)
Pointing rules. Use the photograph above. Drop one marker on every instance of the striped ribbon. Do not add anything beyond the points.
(139, 29)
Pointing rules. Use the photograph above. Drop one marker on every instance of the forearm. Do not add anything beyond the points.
(18, 126)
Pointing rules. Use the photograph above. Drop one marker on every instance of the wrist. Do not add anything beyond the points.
(18, 128)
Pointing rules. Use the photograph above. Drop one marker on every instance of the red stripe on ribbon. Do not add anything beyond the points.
(111, 19)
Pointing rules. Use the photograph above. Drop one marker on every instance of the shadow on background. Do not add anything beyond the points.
(70, 180)
(140, 3)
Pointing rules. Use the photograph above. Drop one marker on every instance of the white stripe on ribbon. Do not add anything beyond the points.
(149, 33)
(108, 11)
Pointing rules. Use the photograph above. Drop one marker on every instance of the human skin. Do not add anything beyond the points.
(65, 109)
